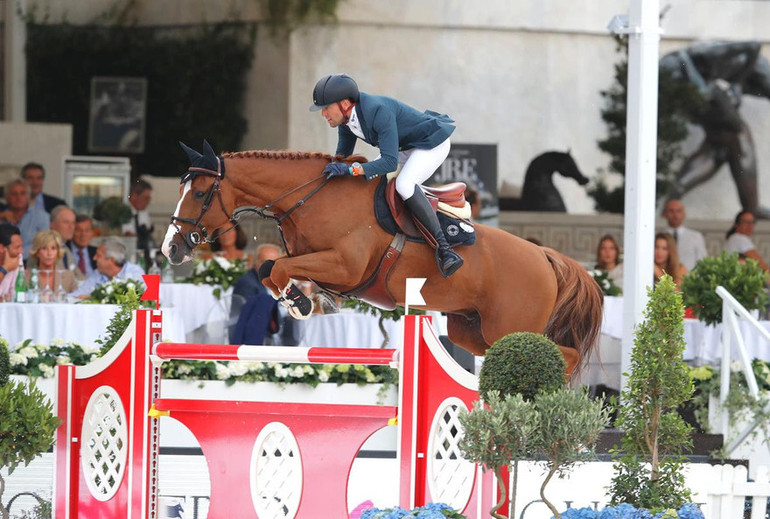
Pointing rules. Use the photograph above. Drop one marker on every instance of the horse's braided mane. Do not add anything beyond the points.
(290, 155)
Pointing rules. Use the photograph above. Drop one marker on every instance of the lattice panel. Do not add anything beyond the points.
(450, 476)
(276, 473)
(103, 449)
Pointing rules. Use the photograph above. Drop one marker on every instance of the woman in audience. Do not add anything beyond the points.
(667, 259)
(47, 250)
(739, 238)
(231, 245)
(608, 259)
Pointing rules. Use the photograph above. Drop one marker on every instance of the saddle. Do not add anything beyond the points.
(448, 199)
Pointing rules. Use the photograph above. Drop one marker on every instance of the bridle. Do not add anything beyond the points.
(194, 238)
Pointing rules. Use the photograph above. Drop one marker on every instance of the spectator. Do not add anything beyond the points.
(667, 259)
(249, 284)
(141, 224)
(34, 174)
(47, 252)
(739, 238)
(11, 264)
(608, 259)
(82, 251)
(19, 214)
(63, 221)
(110, 264)
(689, 243)
(231, 244)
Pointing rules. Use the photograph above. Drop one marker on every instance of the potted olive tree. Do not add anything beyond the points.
(28, 423)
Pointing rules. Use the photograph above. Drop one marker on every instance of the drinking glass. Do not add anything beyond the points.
(46, 294)
(61, 294)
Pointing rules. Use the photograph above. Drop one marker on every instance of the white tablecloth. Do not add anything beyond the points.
(196, 304)
(703, 342)
(79, 323)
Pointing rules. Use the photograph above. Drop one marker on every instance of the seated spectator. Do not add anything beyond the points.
(608, 259)
(110, 264)
(249, 284)
(690, 244)
(46, 254)
(11, 264)
(231, 244)
(739, 238)
(246, 289)
(82, 251)
(19, 214)
(34, 175)
(63, 221)
(667, 259)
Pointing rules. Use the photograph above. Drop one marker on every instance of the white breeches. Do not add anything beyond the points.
(418, 165)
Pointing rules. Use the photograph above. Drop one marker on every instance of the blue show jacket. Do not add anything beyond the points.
(392, 126)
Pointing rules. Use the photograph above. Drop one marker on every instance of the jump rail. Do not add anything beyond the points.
(264, 459)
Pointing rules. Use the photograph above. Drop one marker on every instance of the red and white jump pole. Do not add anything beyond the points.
(263, 458)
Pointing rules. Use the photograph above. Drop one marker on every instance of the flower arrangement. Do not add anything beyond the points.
(115, 292)
(606, 283)
(216, 271)
(625, 511)
(429, 511)
(38, 360)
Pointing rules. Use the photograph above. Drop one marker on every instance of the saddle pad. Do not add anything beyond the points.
(457, 232)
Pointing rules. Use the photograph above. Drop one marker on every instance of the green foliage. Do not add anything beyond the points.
(675, 100)
(606, 283)
(744, 281)
(117, 292)
(28, 424)
(658, 384)
(196, 82)
(120, 321)
(5, 362)
(42, 510)
(112, 212)
(522, 363)
(285, 15)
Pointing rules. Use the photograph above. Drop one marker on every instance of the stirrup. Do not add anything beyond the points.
(454, 262)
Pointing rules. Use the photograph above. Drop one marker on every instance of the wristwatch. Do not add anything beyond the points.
(356, 169)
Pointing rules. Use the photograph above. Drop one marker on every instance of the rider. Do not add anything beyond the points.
(418, 141)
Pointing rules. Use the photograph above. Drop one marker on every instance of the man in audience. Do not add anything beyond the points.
(82, 252)
(10, 259)
(249, 284)
(110, 264)
(19, 214)
(63, 221)
(689, 243)
(34, 174)
(140, 224)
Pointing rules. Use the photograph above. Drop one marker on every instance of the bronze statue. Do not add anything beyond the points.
(722, 73)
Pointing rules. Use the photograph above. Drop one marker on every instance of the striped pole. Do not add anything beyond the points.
(289, 354)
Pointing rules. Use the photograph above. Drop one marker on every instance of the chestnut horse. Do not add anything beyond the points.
(332, 237)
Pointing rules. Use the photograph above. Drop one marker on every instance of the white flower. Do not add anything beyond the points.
(17, 359)
(297, 372)
(63, 359)
(238, 369)
(28, 352)
(108, 289)
(323, 376)
(209, 279)
(222, 262)
(131, 286)
(183, 369)
(223, 372)
(46, 370)
(280, 371)
(200, 268)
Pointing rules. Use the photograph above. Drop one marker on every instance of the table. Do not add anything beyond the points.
(204, 316)
(79, 323)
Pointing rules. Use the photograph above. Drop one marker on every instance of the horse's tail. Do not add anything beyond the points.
(577, 316)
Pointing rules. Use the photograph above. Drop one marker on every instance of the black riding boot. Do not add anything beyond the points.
(448, 261)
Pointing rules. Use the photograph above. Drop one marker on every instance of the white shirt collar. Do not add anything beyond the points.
(354, 124)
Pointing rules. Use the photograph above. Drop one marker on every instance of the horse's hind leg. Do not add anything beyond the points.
(465, 331)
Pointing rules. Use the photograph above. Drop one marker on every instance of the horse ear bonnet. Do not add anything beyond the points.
(208, 160)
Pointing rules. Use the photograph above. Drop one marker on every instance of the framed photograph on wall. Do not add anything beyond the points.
(117, 115)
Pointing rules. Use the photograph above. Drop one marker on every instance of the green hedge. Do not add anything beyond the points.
(196, 83)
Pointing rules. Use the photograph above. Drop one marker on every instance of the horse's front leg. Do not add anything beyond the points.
(327, 266)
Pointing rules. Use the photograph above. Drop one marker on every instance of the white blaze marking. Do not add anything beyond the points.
(172, 230)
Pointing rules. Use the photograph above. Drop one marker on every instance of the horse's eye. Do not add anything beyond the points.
(199, 194)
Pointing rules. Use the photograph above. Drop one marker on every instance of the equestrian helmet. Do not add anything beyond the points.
(333, 89)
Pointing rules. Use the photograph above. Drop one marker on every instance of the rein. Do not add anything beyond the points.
(195, 238)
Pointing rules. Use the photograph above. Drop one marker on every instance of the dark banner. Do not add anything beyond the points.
(476, 165)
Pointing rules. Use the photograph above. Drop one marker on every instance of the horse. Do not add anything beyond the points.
(332, 237)
(538, 192)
